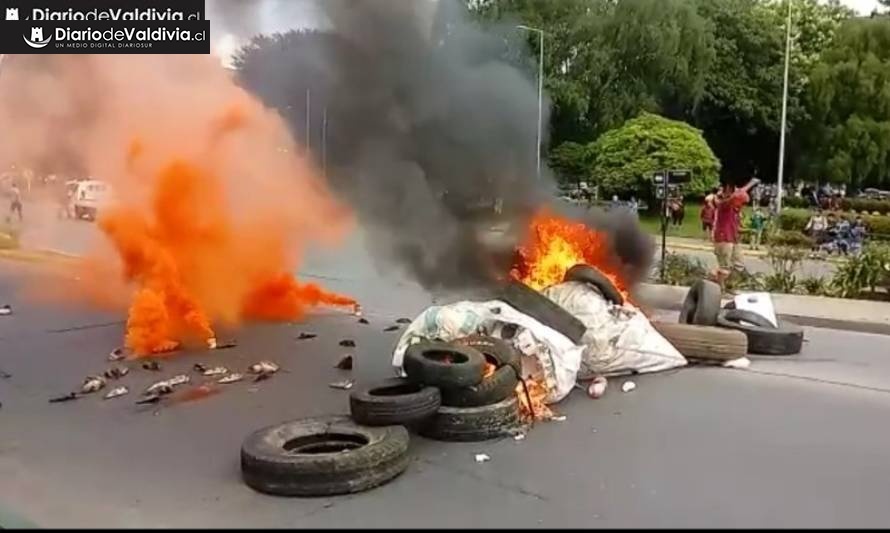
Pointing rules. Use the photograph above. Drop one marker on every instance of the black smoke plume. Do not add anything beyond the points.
(421, 125)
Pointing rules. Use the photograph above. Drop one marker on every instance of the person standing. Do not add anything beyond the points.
(708, 214)
(758, 222)
(15, 205)
(729, 206)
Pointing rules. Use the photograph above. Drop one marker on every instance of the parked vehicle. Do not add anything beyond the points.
(87, 197)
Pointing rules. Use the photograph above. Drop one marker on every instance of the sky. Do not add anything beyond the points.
(863, 7)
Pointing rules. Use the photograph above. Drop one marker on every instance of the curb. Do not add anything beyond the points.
(863, 316)
(35, 256)
(749, 253)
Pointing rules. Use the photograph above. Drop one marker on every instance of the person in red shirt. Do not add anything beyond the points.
(729, 204)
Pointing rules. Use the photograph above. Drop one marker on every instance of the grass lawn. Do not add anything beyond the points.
(691, 227)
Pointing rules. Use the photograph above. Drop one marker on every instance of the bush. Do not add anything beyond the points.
(865, 271)
(789, 238)
(745, 281)
(817, 286)
(870, 205)
(682, 270)
(795, 202)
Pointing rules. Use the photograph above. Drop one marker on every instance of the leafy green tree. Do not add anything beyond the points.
(571, 161)
(626, 158)
(849, 98)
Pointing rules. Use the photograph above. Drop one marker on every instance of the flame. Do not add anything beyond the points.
(195, 263)
(537, 391)
(555, 244)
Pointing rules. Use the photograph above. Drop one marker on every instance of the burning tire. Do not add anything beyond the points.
(702, 304)
(322, 457)
(704, 343)
(393, 402)
(595, 278)
(473, 424)
(494, 348)
(443, 365)
(499, 386)
(787, 339)
(544, 310)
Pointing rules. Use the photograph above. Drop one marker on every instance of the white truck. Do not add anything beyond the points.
(87, 197)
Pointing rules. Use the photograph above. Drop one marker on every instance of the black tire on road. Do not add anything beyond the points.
(544, 310)
(787, 339)
(704, 343)
(443, 365)
(742, 315)
(492, 347)
(494, 388)
(392, 402)
(587, 274)
(474, 424)
(702, 304)
(322, 457)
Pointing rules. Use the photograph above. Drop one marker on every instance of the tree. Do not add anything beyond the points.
(571, 161)
(626, 158)
(849, 97)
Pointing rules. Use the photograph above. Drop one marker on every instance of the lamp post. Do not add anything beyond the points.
(784, 111)
(540, 134)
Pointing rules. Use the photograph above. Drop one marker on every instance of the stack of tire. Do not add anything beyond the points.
(710, 332)
(447, 395)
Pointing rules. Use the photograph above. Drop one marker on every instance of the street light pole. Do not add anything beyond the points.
(784, 111)
(308, 131)
(540, 135)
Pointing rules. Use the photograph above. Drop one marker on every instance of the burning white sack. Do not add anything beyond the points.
(619, 339)
(549, 356)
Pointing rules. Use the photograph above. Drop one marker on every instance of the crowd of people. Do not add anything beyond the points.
(833, 234)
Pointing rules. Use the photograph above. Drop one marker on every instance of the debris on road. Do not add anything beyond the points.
(116, 372)
(363, 321)
(92, 384)
(357, 310)
(741, 362)
(482, 458)
(152, 366)
(117, 354)
(5, 310)
(403, 321)
(199, 367)
(116, 392)
(628, 386)
(166, 386)
(5, 375)
(519, 436)
(597, 387)
(391, 328)
(179, 379)
(196, 393)
(226, 345)
(345, 363)
(215, 371)
(306, 336)
(559, 418)
(346, 384)
(231, 378)
(263, 367)
(347, 343)
(148, 398)
(65, 398)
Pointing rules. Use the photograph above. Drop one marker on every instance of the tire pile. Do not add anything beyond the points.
(446, 395)
(707, 331)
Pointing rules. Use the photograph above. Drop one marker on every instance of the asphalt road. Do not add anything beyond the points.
(791, 442)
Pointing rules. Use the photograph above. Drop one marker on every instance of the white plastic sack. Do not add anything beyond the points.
(758, 302)
(618, 339)
(557, 358)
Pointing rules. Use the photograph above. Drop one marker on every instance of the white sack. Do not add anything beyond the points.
(619, 339)
(558, 358)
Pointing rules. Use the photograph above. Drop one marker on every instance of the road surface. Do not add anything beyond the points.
(792, 442)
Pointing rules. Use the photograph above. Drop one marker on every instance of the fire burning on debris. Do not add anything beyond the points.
(555, 244)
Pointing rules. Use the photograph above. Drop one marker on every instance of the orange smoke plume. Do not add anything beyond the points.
(213, 204)
(555, 244)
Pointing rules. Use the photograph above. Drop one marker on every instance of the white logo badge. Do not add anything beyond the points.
(37, 40)
(12, 13)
